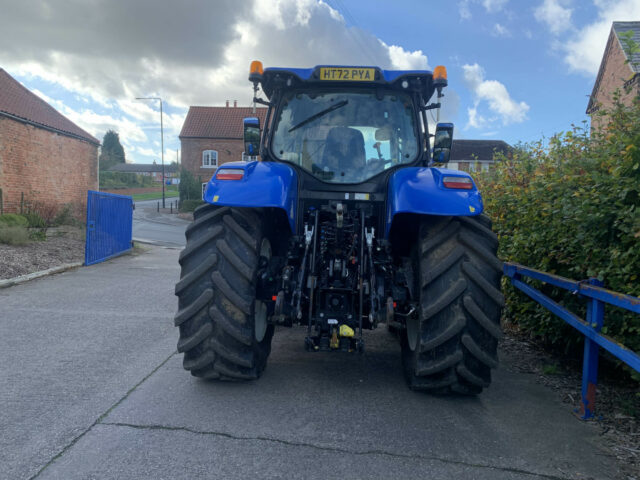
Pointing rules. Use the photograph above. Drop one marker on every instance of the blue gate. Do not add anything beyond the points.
(109, 226)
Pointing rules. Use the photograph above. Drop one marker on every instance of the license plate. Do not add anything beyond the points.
(348, 74)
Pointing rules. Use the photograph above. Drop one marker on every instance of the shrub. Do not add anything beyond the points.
(190, 205)
(34, 220)
(572, 209)
(15, 235)
(190, 188)
(13, 220)
(65, 215)
(46, 211)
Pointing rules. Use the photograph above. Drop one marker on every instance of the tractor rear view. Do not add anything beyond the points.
(345, 224)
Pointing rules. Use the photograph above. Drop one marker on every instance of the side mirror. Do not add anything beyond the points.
(251, 136)
(442, 142)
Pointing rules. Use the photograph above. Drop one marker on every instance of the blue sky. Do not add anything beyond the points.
(518, 70)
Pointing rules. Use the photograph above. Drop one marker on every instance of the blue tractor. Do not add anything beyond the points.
(344, 224)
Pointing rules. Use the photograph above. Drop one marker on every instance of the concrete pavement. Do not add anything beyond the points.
(93, 389)
(158, 228)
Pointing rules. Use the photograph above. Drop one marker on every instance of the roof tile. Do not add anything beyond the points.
(18, 101)
(218, 122)
(623, 27)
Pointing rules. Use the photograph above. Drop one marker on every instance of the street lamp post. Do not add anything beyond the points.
(161, 140)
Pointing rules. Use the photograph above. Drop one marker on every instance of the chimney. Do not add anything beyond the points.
(227, 103)
(235, 103)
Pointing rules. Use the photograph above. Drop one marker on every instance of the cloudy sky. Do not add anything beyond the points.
(518, 69)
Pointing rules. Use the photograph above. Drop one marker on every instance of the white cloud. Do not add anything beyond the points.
(476, 120)
(494, 5)
(402, 59)
(583, 52)
(148, 152)
(199, 57)
(556, 16)
(464, 10)
(489, 134)
(496, 96)
(491, 6)
(500, 31)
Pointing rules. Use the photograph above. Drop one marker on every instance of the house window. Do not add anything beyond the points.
(204, 187)
(209, 159)
(249, 158)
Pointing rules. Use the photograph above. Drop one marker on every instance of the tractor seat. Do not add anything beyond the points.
(344, 150)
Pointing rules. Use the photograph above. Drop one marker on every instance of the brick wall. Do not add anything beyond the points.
(229, 150)
(616, 72)
(46, 166)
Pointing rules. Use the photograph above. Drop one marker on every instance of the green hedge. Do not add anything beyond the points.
(572, 208)
(115, 180)
(190, 205)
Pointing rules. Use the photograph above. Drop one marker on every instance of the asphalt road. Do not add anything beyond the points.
(92, 388)
(158, 228)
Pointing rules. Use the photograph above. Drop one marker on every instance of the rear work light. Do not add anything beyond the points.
(462, 183)
(229, 174)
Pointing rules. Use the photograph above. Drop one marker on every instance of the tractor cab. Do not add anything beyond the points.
(347, 125)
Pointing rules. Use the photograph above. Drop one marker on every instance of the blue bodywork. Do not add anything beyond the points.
(417, 190)
(264, 184)
(306, 75)
(410, 190)
(420, 190)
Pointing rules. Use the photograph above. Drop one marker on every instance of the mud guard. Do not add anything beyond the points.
(263, 184)
(420, 190)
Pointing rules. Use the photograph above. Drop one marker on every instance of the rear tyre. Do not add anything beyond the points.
(450, 343)
(224, 332)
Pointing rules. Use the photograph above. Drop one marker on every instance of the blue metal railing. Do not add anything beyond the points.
(597, 297)
(109, 226)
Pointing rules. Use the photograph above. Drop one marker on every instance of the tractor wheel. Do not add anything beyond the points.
(224, 332)
(451, 341)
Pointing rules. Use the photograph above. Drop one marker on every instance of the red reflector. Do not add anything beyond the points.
(395, 304)
(463, 183)
(274, 298)
(229, 174)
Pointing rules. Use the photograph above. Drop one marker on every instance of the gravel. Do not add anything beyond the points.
(63, 245)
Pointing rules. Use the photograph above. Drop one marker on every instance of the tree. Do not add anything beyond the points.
(190, 188)
(111, 152)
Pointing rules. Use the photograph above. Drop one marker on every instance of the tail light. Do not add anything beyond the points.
(461, 183)
(229, 174)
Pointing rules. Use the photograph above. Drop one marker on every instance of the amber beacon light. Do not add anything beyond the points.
(255, 71)
(439, 73)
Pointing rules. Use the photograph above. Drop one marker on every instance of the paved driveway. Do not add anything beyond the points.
(92, 388)
(158, 228)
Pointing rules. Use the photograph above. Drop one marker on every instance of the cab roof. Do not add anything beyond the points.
(279, 77)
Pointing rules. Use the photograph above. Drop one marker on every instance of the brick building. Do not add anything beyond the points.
(476, 155)
(211, 136)
(44, 157)
(615, 73)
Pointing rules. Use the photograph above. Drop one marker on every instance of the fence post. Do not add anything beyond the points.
(595, 319)
(21, 203)
(1, 203)
(158, 207)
